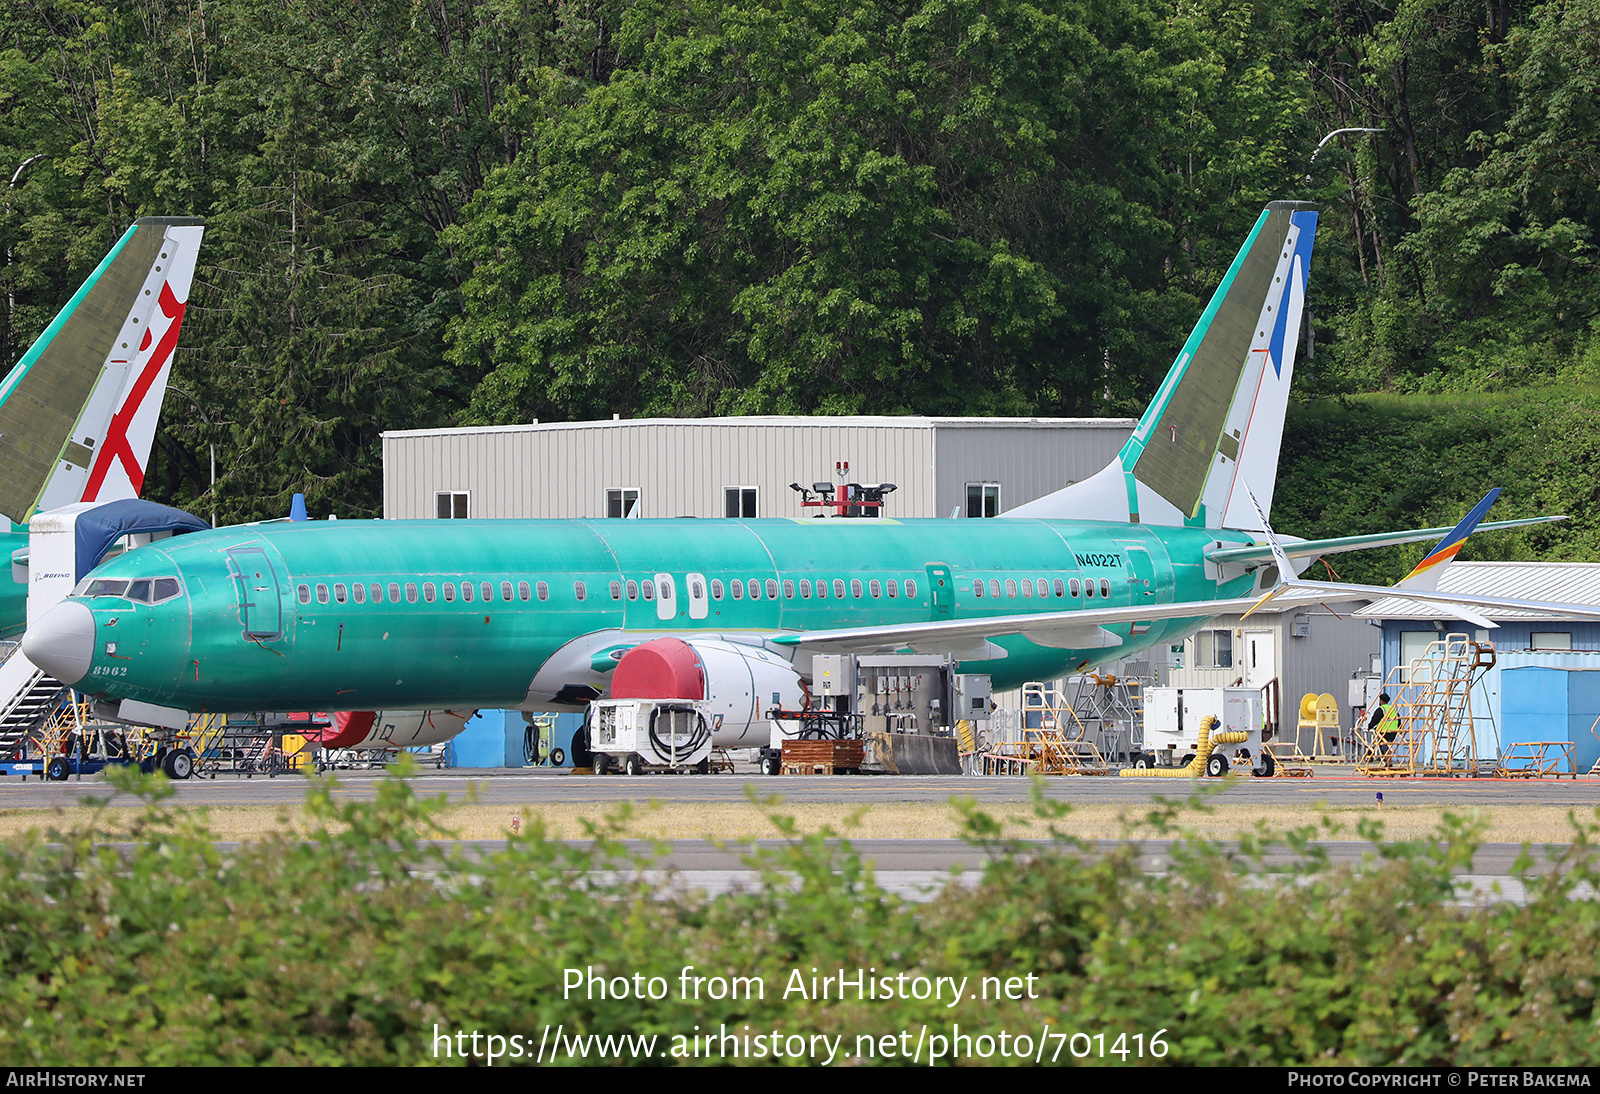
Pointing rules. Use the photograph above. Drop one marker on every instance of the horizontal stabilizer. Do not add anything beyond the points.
(1314, 548)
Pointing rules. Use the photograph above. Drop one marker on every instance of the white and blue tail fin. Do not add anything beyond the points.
(1218, 417)
(78, 413)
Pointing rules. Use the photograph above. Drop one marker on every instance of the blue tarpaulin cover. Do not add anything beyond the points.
(97, 529)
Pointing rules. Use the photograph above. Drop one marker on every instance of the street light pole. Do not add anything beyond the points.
(1348, 129)
(11, 290)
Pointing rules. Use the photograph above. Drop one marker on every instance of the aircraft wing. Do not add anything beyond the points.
(1311, 548)
(1085, 629)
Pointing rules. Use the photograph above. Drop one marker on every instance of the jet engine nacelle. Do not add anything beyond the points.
(394, 728)
(734, 686)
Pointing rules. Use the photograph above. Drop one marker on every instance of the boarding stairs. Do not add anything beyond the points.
(28, 695)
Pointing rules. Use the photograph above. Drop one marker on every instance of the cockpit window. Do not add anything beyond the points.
(144, 590)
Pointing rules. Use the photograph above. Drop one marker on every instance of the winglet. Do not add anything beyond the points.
(1425, 574)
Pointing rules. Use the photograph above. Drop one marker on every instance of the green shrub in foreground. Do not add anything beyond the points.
(355, 945)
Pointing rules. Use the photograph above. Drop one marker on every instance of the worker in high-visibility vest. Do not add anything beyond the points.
(1384, 724)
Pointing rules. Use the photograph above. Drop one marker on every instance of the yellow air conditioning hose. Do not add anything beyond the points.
(1197, 766)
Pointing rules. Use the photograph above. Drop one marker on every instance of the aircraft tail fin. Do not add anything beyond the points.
(1217, 419)
(78, 413)
(1425, 574)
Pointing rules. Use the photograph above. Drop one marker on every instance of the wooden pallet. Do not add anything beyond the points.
(822, 757)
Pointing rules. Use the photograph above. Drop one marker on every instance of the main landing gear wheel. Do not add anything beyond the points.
(178, 764)
(632, 765)
(57, 769)
(1217, 765)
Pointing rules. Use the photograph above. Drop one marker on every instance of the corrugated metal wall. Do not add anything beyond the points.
(681, 467)
(1027, 459)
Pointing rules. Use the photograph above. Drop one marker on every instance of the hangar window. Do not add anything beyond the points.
(505, 592)
(411, 592)
(466, 590)
(911, 588)
(522, 590)
(633, 590)
(772, 588)
(301, 592)
(487, 591)
(875, 588)
(429, 593)
(894, 588)
(855, 588)
(1213, 649)
(616, 591)
(449, 591)
(739, 501)
(838, 588)
(394, 592)
(788, 589)
(579, 591)
(983, 499)
(451, 504)
(340, 593)
(360, 592)
(622, 502)
(753, 587)
(1550, 640)
(544, 591)
(649, 590)
(322, 593)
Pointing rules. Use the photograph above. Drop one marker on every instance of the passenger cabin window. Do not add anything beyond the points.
(855, 588)
(875, 588)
(1061, 587)
(616, 591)
(788, 589)
(739, 501)
(322, 593)
(822, 590)
(911, 587)
(1073, 586)
(449, 591)
(838, 588)
(772, 588)
(302, 593)
(983, 499)
(505, 592)
(411, 592)
(1011, 589)
(360, 592)
(579, 591)
(977, 587)
(994, 586)
(429, 593)
(377, 593)
(1088, 588)
(451, 504)
(753, 587)
(1027, 589)
(666, 589)
(736, 587)
(340, 593)
(544, 591)
(622, 501)
(894, 588)
(716, 588)
(466, 590)
(522, 590)
(805, 589)
(487, 590)
(394, 592)
(1105, 587)
(649, 589)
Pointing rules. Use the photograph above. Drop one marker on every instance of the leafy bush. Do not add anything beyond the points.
(357, 945)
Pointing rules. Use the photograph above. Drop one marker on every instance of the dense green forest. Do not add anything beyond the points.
(486, 211)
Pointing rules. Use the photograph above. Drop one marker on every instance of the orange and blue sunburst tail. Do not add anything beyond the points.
(1425, 575)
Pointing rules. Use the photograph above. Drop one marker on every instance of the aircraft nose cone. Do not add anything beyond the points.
(62, 641)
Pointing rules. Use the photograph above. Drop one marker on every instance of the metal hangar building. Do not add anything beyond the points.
(738, 467)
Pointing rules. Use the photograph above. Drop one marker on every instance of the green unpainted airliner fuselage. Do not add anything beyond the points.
(269, 616)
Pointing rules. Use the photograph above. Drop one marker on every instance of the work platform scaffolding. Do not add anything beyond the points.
(1432, 729)
(1085, 725)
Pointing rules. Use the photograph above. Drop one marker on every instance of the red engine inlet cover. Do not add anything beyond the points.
(663, 668)
(349, 727)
